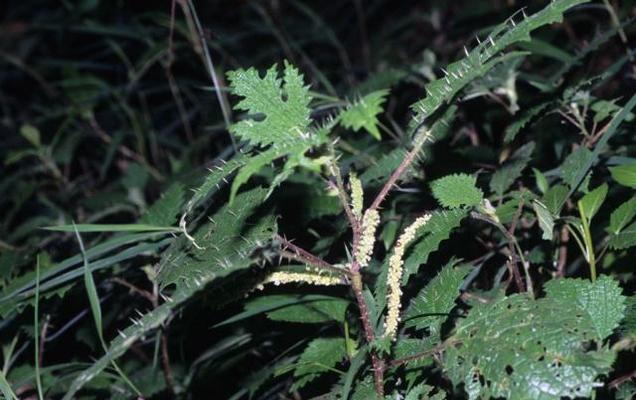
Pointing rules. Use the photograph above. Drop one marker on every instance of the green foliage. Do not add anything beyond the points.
(457, 190)
(285, 119)
(278, 119)
(511, 170)
(293, 308)
(536, 348)
(320, 356)
(545, 219)
(226, 246)
(592, 201)
(363, 113)
(625, 175)
(430, 308)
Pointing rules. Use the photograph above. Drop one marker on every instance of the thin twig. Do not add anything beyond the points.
(306, 256)
(408, 159)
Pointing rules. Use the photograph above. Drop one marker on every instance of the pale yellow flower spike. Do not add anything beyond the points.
(370, 222)
(394, 276)
(357, 196)
(282, 277)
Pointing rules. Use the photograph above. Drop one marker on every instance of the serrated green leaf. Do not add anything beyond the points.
(321, 355)
(234, 242)
(573, 164)
(545, 218)
(601, 300)
(363, 113)
(430, 308)
(625, 239)
(222, 243)
(622, 216)
(505, 176)
(517, 347)
(454, 191)
(593, 200)
(438, 229)
(285, 120)
(517, 125)
(480, 59)
(165, 210)
(625, 175)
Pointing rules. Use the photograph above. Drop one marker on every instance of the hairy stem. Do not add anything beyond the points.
(377, 362)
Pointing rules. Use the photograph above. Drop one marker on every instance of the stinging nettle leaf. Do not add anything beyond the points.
(321, 355)
(430, 308)
(601, 300)
(363, 113)
(454, 191)
(280, 109)
(517, 347)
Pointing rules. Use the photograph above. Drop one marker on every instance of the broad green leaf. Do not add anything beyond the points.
(625, 175)
(430, 308)
(626, 238)
(622, 216)
(602, 300)
(506, 175)
(555, 198)
(363, 113)
(593, 200)
(284, 120)
(573, 164)
(221, 241)
(517, 347)
(438, 229)
(321, 355)
(454, 191)
(545, 218)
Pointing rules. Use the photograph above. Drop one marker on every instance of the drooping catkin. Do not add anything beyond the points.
(370, 222)
(357, 195)
(283, 277)
(394, 276)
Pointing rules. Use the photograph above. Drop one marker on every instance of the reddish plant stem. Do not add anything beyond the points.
(423, 354)
(408, 159)
(306, 256)
(376, 361)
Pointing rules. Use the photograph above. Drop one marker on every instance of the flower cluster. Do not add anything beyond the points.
(283, 277)
(395, 275)
(370, 222)
(357, 196)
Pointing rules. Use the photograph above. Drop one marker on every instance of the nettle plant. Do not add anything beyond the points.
(405, 328)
